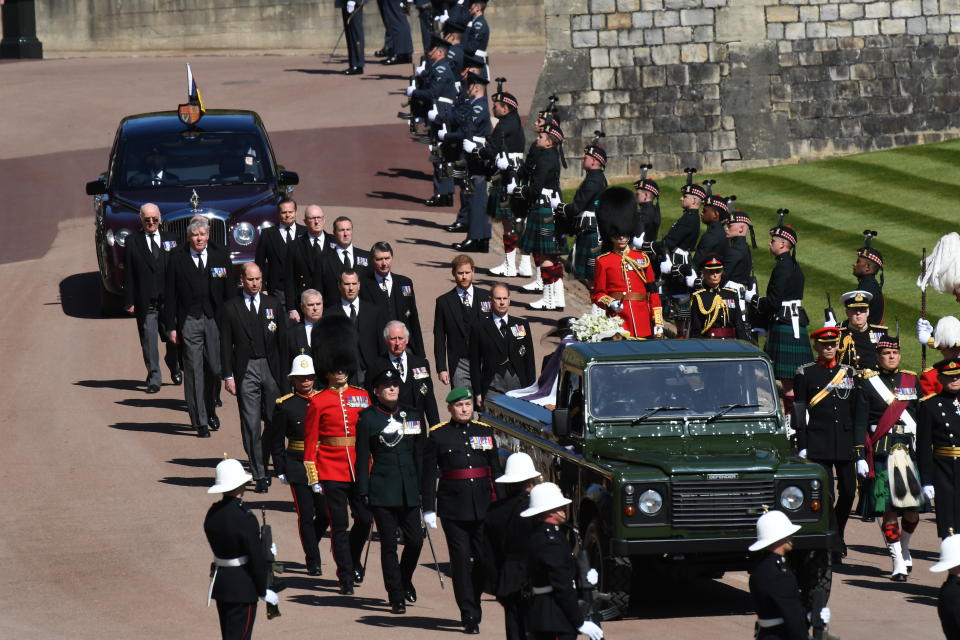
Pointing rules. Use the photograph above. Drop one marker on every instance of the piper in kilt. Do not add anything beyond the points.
(885, 431)
(579, 217)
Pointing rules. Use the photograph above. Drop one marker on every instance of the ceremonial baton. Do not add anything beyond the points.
(366, 554)
(345, 26)
(433, 553)
(923, 306)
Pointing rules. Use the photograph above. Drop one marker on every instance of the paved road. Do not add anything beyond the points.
(104, 486)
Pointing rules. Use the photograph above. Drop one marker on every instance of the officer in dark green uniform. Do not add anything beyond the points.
(462, 454)
(393, 438)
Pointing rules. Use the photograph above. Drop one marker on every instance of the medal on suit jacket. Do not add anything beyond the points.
(420, 372)
(485, 306)
(218, 272)
(167, 245)
(406, 290)
(519, 331)
(268, 312)
(481, 443)
(360, 260)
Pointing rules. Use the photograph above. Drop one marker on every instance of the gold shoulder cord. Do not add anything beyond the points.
(717, 308)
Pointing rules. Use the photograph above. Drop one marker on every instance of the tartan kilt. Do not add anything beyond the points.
(875, 494)
(788, 353)
(540, 234)
(585, 254)
(499, 203)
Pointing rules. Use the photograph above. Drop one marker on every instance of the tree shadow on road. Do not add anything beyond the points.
(919, 593)
(410, 174)
(172, 404)
(413, 622)
(306, 583)
(420, 222)
(393, 195)
(80, 295)
(166, 428)
(337, 600)
(432, 243)
(318, 72)
(122, 385)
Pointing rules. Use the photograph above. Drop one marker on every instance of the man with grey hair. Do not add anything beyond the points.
(304, 257)
(145, 265)
(198, 282)
(299, 336)
(416, 385)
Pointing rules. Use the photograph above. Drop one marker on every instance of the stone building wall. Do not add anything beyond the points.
(720, 84)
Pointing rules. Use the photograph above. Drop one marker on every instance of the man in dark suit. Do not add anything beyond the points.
(393, 293)
(501, 349)
(253, 347)
(351, 13)
(145, 265)
(342, 257)
(272, 247)
(367, 319)
(299, 336)
(198, 283)
(416, 386)
(455, 312)
(304, 258)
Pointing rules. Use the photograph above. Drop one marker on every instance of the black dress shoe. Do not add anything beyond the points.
(153, 388)
(313, 568)
(176, 377)
(383, 53)
(455, 227)
(471, 626)
(899, 577)
(218, 402)
(836, 558)
(410, 594)
(398, 607)
(346, 589)
(843, 549)
(203, 432)
(261, 486)
(473, 245)
(214, 422)
(353, 71)
(440, 201)
(358, 574)
(403, 58)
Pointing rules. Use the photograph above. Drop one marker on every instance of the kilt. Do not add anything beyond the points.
(499, 207)
(875, 498)
(788, 353)
(585, 254)
(540, 234)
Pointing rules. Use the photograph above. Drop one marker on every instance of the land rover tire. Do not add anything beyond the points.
(615, 573)
(813, 568)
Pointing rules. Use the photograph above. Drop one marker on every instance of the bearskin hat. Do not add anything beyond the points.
(616, 212)
(334, 341)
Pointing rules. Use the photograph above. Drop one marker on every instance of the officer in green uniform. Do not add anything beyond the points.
(390, 441)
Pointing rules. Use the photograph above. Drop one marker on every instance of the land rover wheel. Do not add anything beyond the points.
(813, 569)
(615, 573)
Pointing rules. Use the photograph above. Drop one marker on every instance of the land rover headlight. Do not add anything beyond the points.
(791, 498)
(121, 236)
(651, 502)
(243, 233)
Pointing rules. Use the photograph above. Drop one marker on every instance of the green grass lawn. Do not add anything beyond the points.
(911, 196)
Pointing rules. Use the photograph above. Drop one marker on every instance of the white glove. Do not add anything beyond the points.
(589, 628)
(924, 330)
(316, 488)
(351, 5)
(271, 597)
(502, 163)
(750, 293)
(666, 266)
(283, 478)
(929, 491)
(863, 469)
(825, 615)
(803, 453)
(421, 68)
(432, 114)
(657, 331)
(831, 321)
(469, 145)
(273, 550)
(512, 186)
(430, 519)
(410, 90)
(592, 577)
(443, 17)
(443, 131)
(555, 200)
(637, 242)
(616, 306)
(690, 280)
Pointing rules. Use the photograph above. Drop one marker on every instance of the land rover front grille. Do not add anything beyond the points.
(720, 504)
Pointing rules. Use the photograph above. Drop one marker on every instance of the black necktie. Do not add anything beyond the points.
(253, 308)
(200, 262)
(346, 260)
(288, 234)
(154, 247)
(399, 363)
(503, 327)
(353, 314)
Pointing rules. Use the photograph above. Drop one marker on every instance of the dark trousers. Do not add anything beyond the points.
(347, 546)
(236, 619)
(398, 574)
(353, 34)
(148, 329)
(513, 616)
(312, 519)
(465, 545)
(442, 186)
(844, 494)
(552, 635)
(478, 222)
(396, 37)
(425, 18)
(946, 474)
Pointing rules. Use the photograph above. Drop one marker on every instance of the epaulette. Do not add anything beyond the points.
(868, 373)
(925, 398)
(912, 373)
(437, 426)
(880, 326)
(280, 400)
(698, 291)
(928, 369)
(605, 253)
(730, 290)
(804, 366)
(352, 386)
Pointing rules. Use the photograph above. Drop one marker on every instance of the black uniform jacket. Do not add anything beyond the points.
(416, 390)
(683, 233)
(870, 406)
(551, 564)
(713, 240)
(948, 607)
(400, 305)
(232, 532)
(240, 334)
(304, 268)
(585, 199)
(858, 347)
(490, 351)
(271, 257)
(144, 276)
(738, 262)
(786, 283)
(507, 137)
(451, 326)
(827, 434)
(370, 323)
(190, 292)
(540, 171)
(705, 299)
(453, 446)
(870, 284)
(286, 436)
(505, 536)
(776, 594)
(938, 425)
(390, 465)
(647, 222)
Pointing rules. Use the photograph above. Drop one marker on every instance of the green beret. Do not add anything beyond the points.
(458, 393)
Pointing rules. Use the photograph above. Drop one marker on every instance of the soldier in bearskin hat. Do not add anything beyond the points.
(868, 265)
(624, 281)
(715, 309)
(579, 217)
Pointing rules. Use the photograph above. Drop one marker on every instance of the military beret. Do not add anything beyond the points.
(949, 367)
(826, 334)
(457, 394)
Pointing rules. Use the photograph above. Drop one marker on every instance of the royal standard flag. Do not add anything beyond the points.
(193, 91)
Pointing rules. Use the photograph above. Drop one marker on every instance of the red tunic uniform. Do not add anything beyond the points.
(624, 277)
(929, 383)
(330, 433)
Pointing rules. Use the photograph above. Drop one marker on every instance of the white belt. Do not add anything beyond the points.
(766, 623)
(539, 591)
(445, 100)
(587, 219)
(681, 256)
(741, 292)
(480, 53)
(793, 308)
(514, 156)
(223, 562)
(480, 140)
